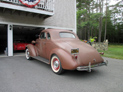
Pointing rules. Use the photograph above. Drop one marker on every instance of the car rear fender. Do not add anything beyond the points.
(66, 59)
(32, 50)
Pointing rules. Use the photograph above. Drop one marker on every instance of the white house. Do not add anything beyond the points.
(17, 21)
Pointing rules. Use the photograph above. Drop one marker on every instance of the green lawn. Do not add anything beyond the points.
(114, 51)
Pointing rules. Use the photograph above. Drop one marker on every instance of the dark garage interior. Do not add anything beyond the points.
(24, 34)
(20, 33)
(3, 39)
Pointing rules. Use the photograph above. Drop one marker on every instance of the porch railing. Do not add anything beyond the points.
(47, 5)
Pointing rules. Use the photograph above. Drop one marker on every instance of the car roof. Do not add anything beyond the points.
(55, 32)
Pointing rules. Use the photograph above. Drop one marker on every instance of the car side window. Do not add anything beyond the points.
(48, 36)
(43, 35)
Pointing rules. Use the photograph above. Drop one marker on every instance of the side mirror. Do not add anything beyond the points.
(33, 42)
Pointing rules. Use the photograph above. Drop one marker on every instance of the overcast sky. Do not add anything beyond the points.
(112, 2)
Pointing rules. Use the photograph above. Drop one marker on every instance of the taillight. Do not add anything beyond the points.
(76, 56)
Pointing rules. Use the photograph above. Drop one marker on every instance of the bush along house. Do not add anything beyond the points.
(21, 20)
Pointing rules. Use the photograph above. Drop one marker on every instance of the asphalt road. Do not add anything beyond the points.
(20, 75)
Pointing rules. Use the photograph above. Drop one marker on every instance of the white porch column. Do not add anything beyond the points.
(10, 39)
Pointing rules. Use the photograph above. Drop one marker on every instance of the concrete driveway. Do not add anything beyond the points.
(20, 75)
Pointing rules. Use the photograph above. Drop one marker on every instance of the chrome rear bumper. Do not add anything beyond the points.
(90, 67)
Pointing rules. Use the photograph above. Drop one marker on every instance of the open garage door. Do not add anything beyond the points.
(23, 35)
(3, 40)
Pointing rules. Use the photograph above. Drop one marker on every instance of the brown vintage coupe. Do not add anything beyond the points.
(64, 51)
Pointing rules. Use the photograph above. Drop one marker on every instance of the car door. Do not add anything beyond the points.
(43, 44)
(48, 46)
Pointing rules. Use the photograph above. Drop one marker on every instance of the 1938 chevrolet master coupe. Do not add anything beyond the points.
(64, 51)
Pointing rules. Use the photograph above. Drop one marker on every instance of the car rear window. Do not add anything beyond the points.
(66, 35)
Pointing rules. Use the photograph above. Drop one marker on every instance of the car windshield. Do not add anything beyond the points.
(66, 35)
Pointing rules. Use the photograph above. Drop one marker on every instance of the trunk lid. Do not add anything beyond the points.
(86, 52)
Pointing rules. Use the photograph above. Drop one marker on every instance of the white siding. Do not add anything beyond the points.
(64, 16)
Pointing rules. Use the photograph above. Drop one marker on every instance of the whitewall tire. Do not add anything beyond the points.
(27, 54)
(56, 65)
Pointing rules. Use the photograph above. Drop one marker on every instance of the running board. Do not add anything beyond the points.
(42, 59)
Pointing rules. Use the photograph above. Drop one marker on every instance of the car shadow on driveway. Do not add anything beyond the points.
(69, 73)
(83, 74)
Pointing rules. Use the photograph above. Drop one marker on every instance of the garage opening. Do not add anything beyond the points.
(23, 35)
(3, 40)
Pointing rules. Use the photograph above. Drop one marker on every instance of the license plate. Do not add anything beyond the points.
(74, 51)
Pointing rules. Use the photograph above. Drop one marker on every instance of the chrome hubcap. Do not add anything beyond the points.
(56, 64)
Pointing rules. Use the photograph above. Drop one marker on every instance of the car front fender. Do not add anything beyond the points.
(66, 59)
(32, 50)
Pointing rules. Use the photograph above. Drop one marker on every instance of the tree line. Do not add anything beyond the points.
(98, 18)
